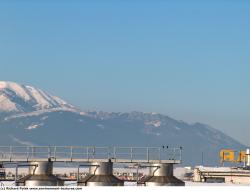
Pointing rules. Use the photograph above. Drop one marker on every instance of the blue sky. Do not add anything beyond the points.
(186, 59)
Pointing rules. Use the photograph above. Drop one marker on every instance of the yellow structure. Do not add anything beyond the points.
(228, 155)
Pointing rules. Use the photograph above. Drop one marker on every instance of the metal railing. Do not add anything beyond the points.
(89, 153)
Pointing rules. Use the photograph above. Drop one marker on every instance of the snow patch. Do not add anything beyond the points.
(2, 85)
(34, 126)
(154, 123)
(40, 98)
(154, 113)
(7, 105)
(83, 113)
(177, 128)
(44, 118)
(20, 90)
(40, 112)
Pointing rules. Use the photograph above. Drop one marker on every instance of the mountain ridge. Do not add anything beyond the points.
(64, 124)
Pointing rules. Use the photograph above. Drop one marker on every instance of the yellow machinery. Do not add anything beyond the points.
(228, 155)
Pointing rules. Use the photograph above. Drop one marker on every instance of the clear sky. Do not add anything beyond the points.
(186, 59)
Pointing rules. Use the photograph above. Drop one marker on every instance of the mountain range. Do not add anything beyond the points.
(30, 116)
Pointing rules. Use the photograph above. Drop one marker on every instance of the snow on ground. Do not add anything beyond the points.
(218, 169)
(62, 170)
(187, 184)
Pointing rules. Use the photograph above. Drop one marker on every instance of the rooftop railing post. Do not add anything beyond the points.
(11, 152)
(32, 152)
(71, 153)
(180, 154)
(147, 154)
(173, 154)
(131, 154)
(88, 153)
(55, 148)
(109, 152)
(93, 152)
(49, 152)
(114, 153)
(159, 150)
(27, 152)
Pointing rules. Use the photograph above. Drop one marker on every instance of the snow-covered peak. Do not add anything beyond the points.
(21, 98)
(18, 89)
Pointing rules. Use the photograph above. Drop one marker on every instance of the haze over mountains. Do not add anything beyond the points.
(30, 116)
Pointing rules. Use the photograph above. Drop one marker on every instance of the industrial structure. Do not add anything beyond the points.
(100, 174)
(99, 160)
(2, 172)
(161, 174)
(236, 175)
(40, 174)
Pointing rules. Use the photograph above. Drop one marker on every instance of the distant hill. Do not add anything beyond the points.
(29, 116)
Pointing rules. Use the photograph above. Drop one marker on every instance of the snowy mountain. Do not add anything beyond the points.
(33, 117)
(20, 98)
